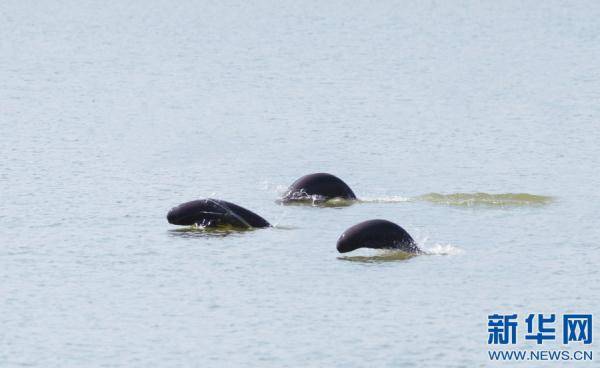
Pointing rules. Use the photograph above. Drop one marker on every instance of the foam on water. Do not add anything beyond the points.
(384, 199)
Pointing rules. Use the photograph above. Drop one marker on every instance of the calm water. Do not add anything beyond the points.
(113, 112)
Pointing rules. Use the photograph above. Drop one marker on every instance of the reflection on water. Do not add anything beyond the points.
(486, 199)
(385, 256)
(196, 231)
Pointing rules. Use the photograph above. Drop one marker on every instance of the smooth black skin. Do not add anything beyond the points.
(378, 234)
(324, 185)
(214, 212)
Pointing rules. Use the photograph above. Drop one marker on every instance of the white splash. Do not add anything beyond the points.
(436, 249)
(442, 250)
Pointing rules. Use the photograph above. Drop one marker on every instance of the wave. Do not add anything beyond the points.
(486, 199)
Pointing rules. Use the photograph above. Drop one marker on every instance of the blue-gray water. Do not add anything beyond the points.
(113, 112)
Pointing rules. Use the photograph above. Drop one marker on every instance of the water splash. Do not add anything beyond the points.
(486, 199)
(442, 250)
(435, 249)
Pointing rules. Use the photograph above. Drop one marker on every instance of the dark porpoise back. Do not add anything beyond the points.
(323, 185)
(214, 212)
(378, 234)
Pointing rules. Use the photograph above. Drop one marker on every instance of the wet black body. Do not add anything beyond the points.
(378, 234)
(214, 212)
(324, 186)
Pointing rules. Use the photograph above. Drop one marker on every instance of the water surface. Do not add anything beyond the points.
(111, 113)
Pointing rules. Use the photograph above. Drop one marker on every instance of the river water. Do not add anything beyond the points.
(474, 125)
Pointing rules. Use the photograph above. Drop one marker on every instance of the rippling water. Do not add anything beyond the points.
(113, 112)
